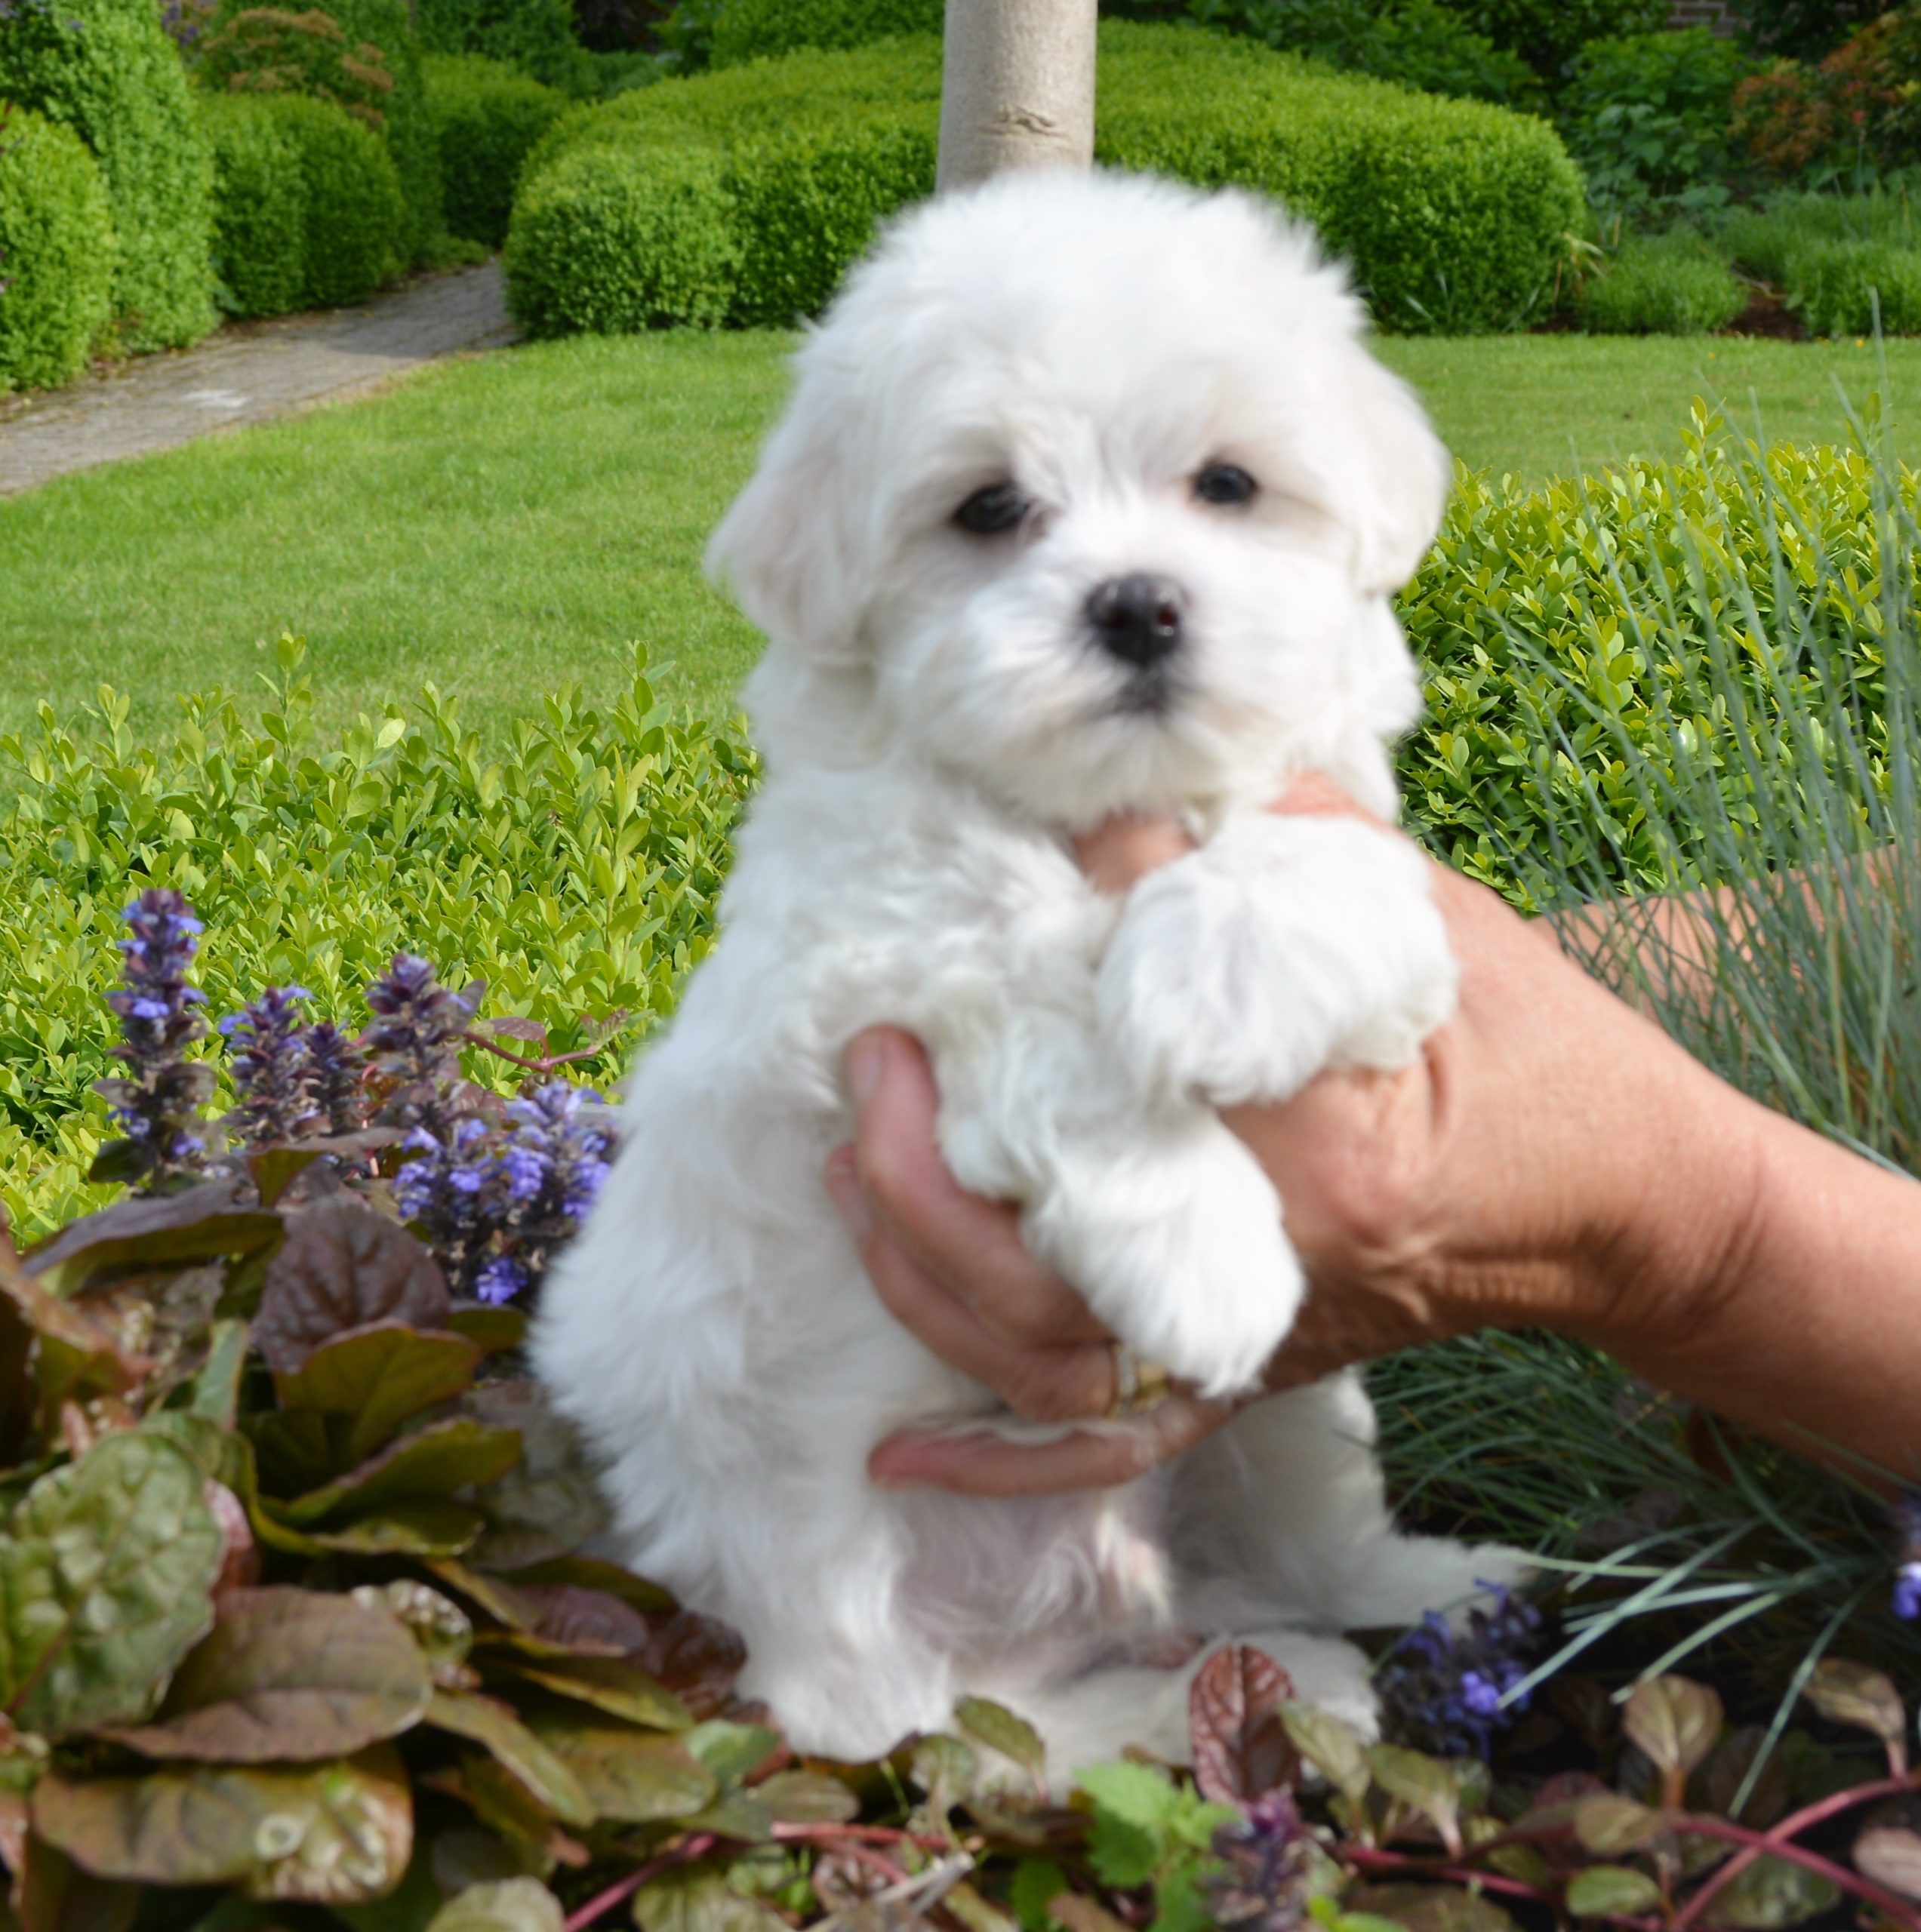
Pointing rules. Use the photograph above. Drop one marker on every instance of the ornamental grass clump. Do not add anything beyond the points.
(1766, 785)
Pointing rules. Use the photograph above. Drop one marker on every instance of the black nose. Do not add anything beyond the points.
(1137, 619)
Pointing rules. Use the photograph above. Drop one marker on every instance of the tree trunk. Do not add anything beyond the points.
(1016, 88)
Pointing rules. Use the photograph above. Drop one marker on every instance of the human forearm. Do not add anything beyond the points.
(1780, 1287)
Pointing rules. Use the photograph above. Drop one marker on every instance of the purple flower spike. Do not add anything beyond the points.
(156, 1104)
(1450, 1691)
(271, 1069)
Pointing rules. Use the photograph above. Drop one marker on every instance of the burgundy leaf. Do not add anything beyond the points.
(696, 1656)
(1241, 1749)
(344, 1266)
(590, 1621)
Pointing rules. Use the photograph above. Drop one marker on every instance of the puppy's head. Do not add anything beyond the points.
(1091, 490)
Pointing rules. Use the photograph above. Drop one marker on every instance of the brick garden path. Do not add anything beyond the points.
(247, 373)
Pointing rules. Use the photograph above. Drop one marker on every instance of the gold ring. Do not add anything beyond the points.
(1139, 1385)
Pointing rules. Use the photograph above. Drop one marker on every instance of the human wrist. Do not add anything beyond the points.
(1684, 1216)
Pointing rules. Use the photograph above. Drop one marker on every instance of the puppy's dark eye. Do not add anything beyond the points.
(990, 511)
(1224, 483)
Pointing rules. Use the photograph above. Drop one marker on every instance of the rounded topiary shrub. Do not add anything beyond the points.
(742, 196)
(747, 29)
(376, 53)
(259, 206)
(57, 252)
(1844, 288)
(536, 35)
(1666, 287)
(107, 70)
(354, 217)
(487, 118)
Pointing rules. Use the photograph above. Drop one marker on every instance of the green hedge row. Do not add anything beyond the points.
(1525, 619)
(56, 253)
(576, 866)
(308, 208)
(487, 118)
(575, 871)
(1670, 285)
(762, 30)
(740, 197)
(107, 70)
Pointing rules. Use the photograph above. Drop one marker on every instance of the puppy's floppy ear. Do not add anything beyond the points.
(1391, 471)
(788, 548)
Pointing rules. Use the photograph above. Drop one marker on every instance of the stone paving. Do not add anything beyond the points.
(248, 372)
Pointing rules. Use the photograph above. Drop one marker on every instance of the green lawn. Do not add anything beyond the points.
(502, 523)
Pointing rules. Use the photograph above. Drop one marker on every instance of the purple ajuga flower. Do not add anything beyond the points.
(271, 1064)
(1906, 1511)
(337, 1077)
(499, 1280)
(413, 1042)
(156, 1103)
(1450, 1691)
(1266, 1868)
(497, 1201)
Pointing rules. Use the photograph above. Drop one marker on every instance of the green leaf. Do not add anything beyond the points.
(430, 1528)
(1037, 1882)
(1770, 1894)
(488, 1722)
(492, 1331)
(622, 1690)
(1850, 1694)
(215, 1393)
(106, 1577)
(1424, 1784)
(1608, 1891)
(1331, 1748)
(730, 1751)
(343, 1266)
(1608, 1824)
(1675, 1721)
(694, 1900)
(807, 1797)
(1133, 1808)
(432, 1462)
(380, 1376)
(632, 1777)
(1414, 1908)
(595, 1572)
(335, 1834)
(997, 1727)
(289, 1674)
(509, 1905)
(209, 1222)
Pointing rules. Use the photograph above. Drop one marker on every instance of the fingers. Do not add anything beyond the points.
(1119, 851)
(1064, 1383)
(982, 1464)
(972, 1246)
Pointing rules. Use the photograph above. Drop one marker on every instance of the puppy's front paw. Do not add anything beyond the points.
(1282, 946)
(1182, 1255)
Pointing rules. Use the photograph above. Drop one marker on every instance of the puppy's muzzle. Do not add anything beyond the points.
(1138, 620)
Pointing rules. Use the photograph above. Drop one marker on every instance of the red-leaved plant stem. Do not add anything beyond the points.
(698, 1846)
(1778, 1843)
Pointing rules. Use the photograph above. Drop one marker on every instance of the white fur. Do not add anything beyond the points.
(936, 721)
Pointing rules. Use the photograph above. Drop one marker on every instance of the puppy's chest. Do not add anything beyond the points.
(949, 935)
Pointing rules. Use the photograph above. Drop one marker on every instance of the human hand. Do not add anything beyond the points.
(1544, 1161)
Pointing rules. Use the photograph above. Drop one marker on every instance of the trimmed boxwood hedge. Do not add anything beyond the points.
(754, 30)
(408, 128)
(487, 118)
(308, 212)
(259, 206)
(741, 197)
(107, 70)
(57, 252)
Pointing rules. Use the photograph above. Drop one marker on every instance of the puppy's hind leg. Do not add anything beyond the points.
(1287, 1504)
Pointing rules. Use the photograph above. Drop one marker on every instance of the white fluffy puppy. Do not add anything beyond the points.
(1090, 499)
